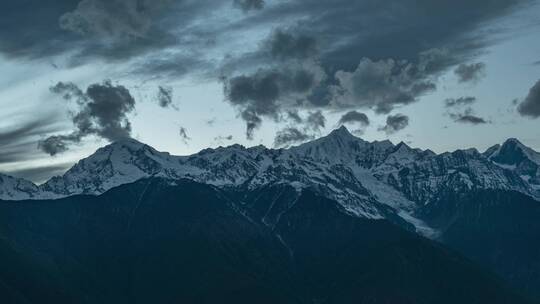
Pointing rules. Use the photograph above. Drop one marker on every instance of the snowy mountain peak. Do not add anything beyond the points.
(523, 161)
(515, 144)
(129, 143)
(16, 188)
(403, 147)
(340, 146)
(342, 132)
(513, 152)
(121, 162)
(342, 135)
(513, 141)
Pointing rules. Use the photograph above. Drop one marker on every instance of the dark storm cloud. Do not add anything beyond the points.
(315, 121)
(102, 111)
(530, 107)
(174, 66)
(183, 135)
(221, 138)
(58, 144)
(289, 136)
(102, 28)
(370, 60)
(211, 122)
(372, 54)
(471, 119)
(346, 30)
(114, 30)
(295, 116)
(118, 29)
(19, 142)
(379, 85)
(301, 128)
(261, 93)
(458, 102)
(386, 84)
(373, 27)
(354, 117)
(467, 116)
(165, 96)
(248, 5)
(30, 28)
(24, 131)
(278, 89)
(322, 94)
(68, 91)
(395, 123)
(284, 45)
(470, 72)
(117, 19)
(253, 121)
(460, 110)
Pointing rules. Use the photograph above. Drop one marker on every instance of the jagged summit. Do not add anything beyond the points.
(121, 162)
(513, 152)
(339, 146)
(129, 143)
(338, 136)
(513, 141)
(516, 157)
(402, 146)
(403, 153)
(342, 131)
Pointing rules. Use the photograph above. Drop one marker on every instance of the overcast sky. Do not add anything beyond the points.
(184, 75)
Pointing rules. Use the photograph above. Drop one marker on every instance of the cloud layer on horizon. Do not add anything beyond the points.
(530, 106)
(101, 111)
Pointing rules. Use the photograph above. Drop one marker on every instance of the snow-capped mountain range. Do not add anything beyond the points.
(370, 179)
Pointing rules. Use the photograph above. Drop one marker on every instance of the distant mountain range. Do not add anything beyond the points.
(335, 220)
(368, 179)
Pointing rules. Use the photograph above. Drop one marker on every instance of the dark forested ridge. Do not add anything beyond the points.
(153, 242)
(499, 230)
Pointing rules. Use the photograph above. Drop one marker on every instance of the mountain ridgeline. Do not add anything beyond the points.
(335, 220)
